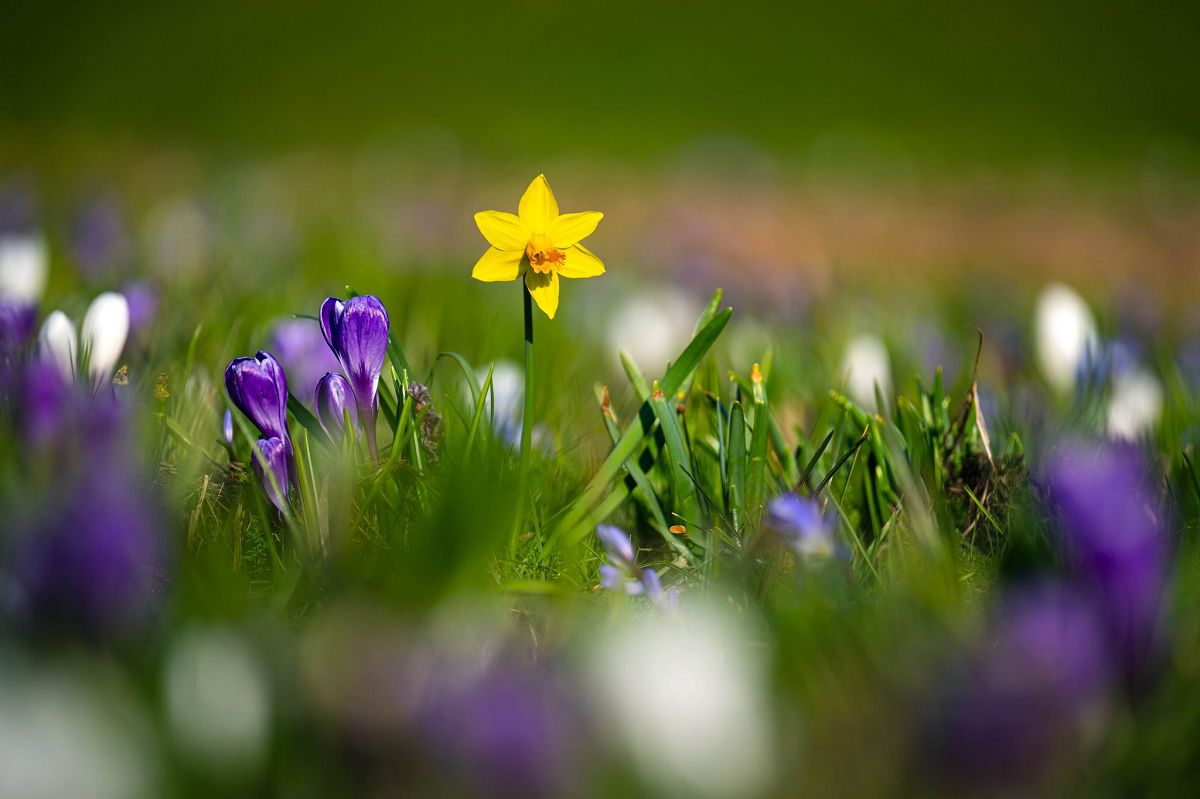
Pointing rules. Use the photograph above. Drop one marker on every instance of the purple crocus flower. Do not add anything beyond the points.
(272, 464)
(1113, 534)
(1019, 708)
(333, 399)
(622, 573)
(807, 530)
(258, 387)
(357, 332)
(227, 427)
(98, 237)
(142, 298)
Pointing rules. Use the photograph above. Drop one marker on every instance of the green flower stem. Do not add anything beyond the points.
(526, 420)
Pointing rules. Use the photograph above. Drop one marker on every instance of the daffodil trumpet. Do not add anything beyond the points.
(540, 245)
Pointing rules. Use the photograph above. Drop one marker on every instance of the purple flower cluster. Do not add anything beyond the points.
(258, 387)
(622, 573)
(357, 334)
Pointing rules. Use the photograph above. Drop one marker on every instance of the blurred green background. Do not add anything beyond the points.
(1078, 87)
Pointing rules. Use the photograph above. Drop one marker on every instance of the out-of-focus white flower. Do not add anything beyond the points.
(58, 343)
(22, 268)
(865, 366)
(1065, 334)
(105, 328)
(62, 736)
(696, 723)
(217, 699)
(653, 328)
(1135, 406)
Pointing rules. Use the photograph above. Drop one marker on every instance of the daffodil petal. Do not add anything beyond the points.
(581, 262)
(496, 265)
(570, 229)
(544, 288)
(502, 230)
(538, 209)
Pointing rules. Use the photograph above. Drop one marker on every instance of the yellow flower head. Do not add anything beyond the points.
(539, 243)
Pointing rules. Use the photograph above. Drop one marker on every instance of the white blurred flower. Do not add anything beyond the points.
(59, 344)
(22, 268)
(684, 695)
(865, 366)
(217, 699)
(1135, 406)
(105, 328)
(1065, 334)
(62, 736)
(653, 328)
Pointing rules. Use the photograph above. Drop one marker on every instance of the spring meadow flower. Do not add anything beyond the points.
(98, 345)
(622, 573)
(333, 399)
(1064, 334)
(802, 525)
(357, 332)
(539, 243)
(23, 261)
(258, 387)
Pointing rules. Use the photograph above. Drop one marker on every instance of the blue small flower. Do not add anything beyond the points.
(622, 573)
(803, 526)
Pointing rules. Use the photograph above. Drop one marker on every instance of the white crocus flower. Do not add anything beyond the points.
(1135, 406)
(695, 719)
(59, 343)
(1065, 334)
(865, 366)
(105, 328)
(22, 268)
(653, 328)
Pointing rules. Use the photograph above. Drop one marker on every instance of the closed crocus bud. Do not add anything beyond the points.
(227, 427)
(105, 328)
(273, 469)
(258, 387)
(58, 343)
(22, 268)
(357, 332)
(332, 399)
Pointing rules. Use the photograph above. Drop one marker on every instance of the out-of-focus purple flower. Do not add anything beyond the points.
(333, 399)
(272, 463)
(99, 240)
(142, 297)
(508, 730)
(258, 387)
(1112, 532)
(18, 321)
(18, 207)
(804, 528)
(227, 427)
(47, 402)
(357, 332)
(95, 561)
(622, 573)
(1023, 705)
(300, 347)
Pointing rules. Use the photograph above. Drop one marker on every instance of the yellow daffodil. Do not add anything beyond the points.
(539, 243)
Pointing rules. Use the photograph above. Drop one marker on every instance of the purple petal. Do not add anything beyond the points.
(616, 543)
(276, 454)
(332, 399)
(653, 586)
(360, 338)
(227, 427)
(258, 387)
(610, 578)
(330, 315)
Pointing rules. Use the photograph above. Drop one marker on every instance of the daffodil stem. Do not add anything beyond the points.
(526, 419)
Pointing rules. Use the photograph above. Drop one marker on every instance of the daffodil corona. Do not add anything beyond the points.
(539, 243)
